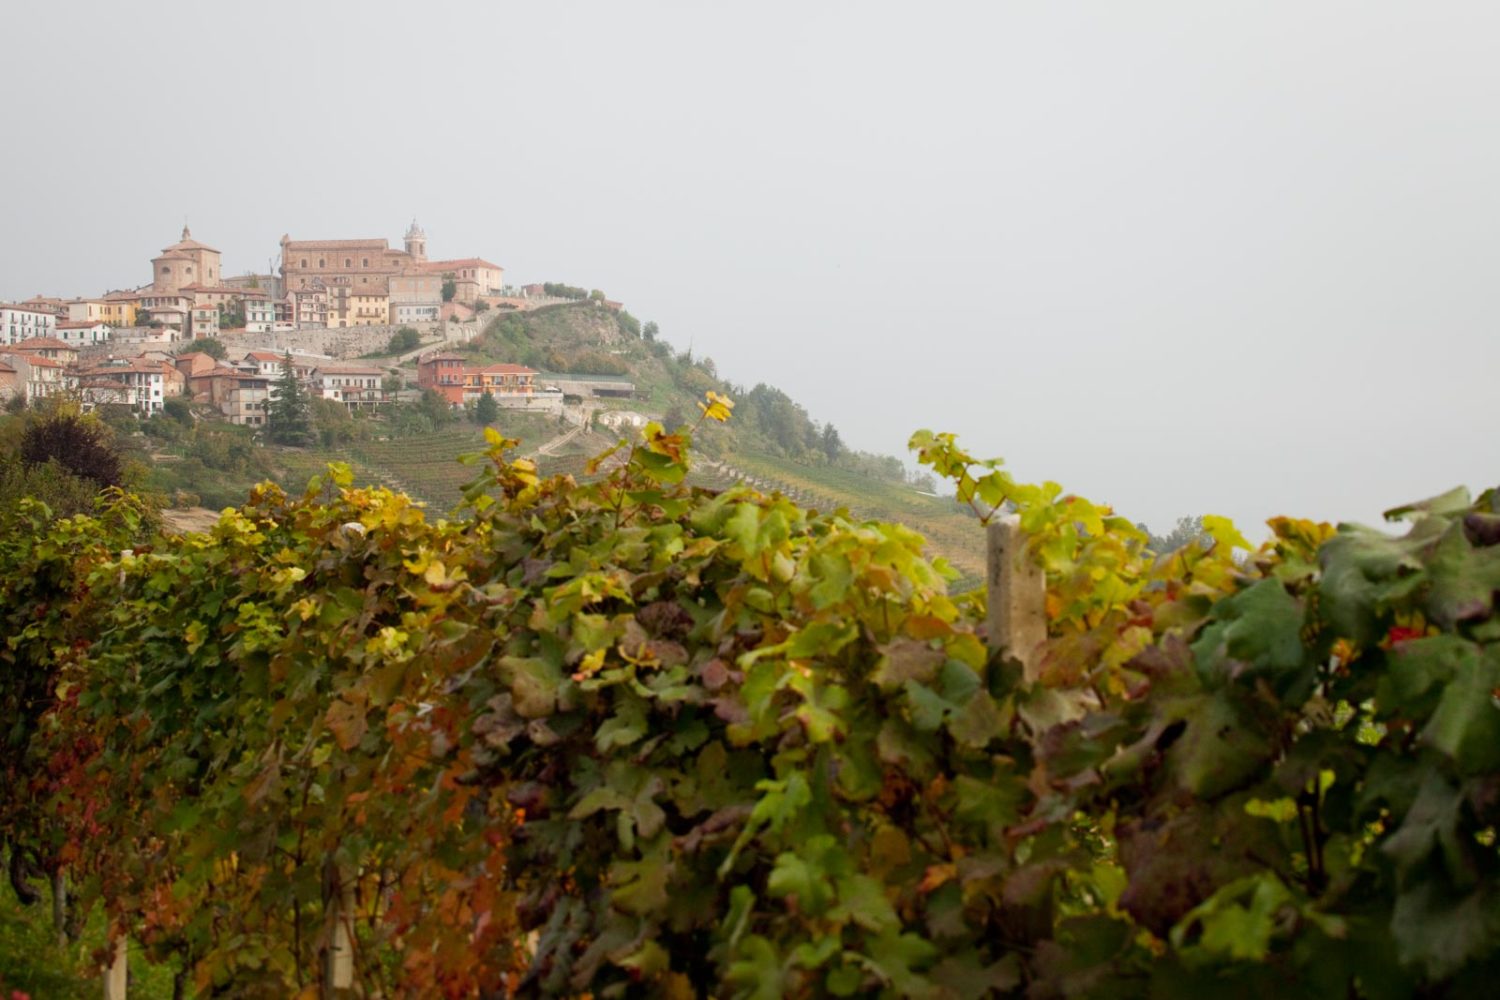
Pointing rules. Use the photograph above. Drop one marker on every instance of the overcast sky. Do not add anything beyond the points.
(1182, 257)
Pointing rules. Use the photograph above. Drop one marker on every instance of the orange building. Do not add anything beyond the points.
(459, 383)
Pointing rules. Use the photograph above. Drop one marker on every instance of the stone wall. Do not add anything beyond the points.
(344, 343)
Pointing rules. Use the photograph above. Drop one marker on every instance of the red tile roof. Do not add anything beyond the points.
(349, 370)
(454, 265)
(42, 344)
(338, 245)
(191, 245)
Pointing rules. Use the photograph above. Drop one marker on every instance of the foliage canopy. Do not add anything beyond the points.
(632, 735)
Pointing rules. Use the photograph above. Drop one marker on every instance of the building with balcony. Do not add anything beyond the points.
(22, 322)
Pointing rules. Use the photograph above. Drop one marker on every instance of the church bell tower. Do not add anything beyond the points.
(416, 242)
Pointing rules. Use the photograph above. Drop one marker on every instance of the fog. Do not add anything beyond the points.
(1234, 258)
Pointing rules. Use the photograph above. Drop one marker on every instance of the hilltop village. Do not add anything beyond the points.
(328, 304)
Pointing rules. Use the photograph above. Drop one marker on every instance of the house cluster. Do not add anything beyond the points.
(240, 389)
(39, 367)
(459, 382)
(319, 284)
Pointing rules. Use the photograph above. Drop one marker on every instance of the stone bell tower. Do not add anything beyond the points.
(416, 242)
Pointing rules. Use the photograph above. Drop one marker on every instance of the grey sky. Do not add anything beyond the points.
(1185, 257)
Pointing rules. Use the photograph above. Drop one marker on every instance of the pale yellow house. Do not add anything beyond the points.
(358, 305)
(119, 308)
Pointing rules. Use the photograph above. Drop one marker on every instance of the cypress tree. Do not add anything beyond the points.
(287, 410)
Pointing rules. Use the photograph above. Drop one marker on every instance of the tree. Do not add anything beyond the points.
(81, 444)
(481, 306)
(435, 408)
(1187, 529)
(450, 288)
(833, 445)
(650, 330)
(404, 339)
(287, 410)
(211, 346)
(486, 410)
(232, 315)
(178, 409)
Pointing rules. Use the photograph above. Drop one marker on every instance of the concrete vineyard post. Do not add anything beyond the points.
(1017, 622)
(117, 973)
(339, 972)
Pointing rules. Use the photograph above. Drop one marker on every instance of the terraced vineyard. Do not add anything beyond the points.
(949, 531)
(425, 468)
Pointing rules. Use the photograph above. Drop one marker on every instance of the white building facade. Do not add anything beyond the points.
(18, 323)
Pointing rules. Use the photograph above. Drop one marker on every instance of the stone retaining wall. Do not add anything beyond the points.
(345, 343)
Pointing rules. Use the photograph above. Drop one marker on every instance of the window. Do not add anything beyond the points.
(348, 262)
(320, 261)
(304, 264)
(367, 262)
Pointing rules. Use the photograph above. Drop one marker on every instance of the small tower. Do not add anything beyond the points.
(416, 242)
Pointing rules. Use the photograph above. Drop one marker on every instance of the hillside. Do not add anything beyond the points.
(415, 447)
(770, 439)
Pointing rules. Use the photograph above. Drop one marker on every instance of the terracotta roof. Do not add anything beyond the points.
(42, 362)
(453, 265)
(79, 324)
(31, 309)
(6, 368)
(339, 245)
(349, 370)
(244, 293)
(42, 344)
(133, 365)
(264, 355)
(189, 244)
(504, 369)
